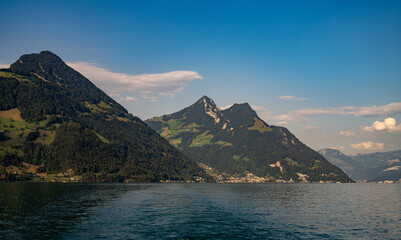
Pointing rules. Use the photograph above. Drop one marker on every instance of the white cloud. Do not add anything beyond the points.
(338, 148)
(347, 133)
(324, 136)
(389, 109)
(302, 114)
(130, 99)
(311, 128)
(262, 112)
(127, 99)
(4, 66)
(292, 98)
(149, 97)
(368, 146)
(286, 97)
(226, 107)
(388, 125)
(149, 86)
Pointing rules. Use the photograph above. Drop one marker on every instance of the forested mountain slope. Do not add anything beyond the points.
(54, 120)
(238, 142)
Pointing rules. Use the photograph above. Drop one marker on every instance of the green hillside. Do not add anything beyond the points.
(236, 141)
(55, 121)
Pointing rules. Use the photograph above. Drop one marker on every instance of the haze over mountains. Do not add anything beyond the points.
(373, 167)
(55, 121)
(236, 141)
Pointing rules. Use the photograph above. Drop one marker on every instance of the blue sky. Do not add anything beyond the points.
(327, 70)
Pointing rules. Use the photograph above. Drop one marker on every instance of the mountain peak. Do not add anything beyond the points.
(206, 98)
(243, 109)
(242, 106)
(236, 140)
(47, 68)
(82, 129)
(41, 63)
(208, 104)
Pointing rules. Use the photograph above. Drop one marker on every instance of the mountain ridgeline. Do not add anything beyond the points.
(55, 121)
(372, 167)
(236, 141)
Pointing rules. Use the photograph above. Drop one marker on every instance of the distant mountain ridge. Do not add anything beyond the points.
(236, 141)
(54, 121)
(373, 167)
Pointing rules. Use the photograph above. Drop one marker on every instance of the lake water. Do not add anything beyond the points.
(199, 211)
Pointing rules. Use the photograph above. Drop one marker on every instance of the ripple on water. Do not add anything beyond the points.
(200, 211)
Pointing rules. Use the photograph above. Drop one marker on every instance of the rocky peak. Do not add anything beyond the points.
(208, 103)
(211, 108)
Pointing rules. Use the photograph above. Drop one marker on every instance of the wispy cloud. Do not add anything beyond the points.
(347, 133)
(149, 86)
(324, 136)
(388, 125)
(225, 107)
(130, 99)
(311, 128)
(126, 99)
(368, 146)
(293, 98)
(4, 65)
(303, 114)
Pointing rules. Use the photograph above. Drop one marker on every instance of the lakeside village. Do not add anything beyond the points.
(29, 172)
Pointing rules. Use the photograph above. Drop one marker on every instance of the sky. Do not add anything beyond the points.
(329, 71)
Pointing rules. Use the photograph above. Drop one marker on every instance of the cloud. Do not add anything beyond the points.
(338, 148)
(368, 146)
(4, 65)
(226, 107)
(262, 112)
(388, 125)
(127, 99)
(149, 97)
(302, 114)
(292, 98)
(311, 128)
(347, 133)
(149, 86)
(324, 136)
(130, 99)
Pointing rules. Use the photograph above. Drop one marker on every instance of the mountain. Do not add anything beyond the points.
(346, 163)
(55, 122)
(237, 142)
(373, 167)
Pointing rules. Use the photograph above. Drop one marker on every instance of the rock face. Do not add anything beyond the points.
(236, 141)
(373, 167)
(56, 119)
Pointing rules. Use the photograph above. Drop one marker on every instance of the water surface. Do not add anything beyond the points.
(200, 211)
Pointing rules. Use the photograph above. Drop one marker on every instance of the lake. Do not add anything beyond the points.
(199, 211)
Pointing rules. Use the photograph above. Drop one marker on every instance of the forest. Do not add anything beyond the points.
(54, 118)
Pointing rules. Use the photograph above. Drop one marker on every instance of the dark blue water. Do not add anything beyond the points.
(200, 211)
